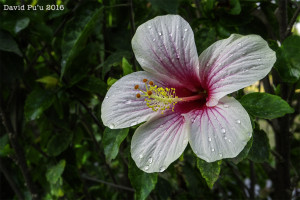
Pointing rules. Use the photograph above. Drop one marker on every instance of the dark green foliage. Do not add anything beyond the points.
(57, 65)
(265, 106)
(209, 171)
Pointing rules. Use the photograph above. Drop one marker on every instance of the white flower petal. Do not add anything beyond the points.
(159, 142)
(233, 63)
(165, 45)
(121, 108)
(221, 131)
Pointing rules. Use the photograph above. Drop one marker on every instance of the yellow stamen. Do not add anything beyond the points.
(158, 98)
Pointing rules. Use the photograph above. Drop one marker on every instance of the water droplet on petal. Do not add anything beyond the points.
(146, 167)
(226, 106)
(106, 97)
(162, 169)
(159, 33)
(153, 40)
(185, 30)
(221, 155)
(185, 141)
(196, 152)
(225, 138)
(128, 102)
(149, 27)
(223, 130)
(133, 123)
(141, 156)
(111, 126)
(259, 59)
(229, 140)
(239, 44)
(150, 160)
(209, 139)
(238, 121)
(170, 34)
(212, 149)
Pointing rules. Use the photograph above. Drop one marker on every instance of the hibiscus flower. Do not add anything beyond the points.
(182, 97)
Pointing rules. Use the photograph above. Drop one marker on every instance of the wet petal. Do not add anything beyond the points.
(121, 108)
(165, 45)
(221, 131)
(159, 142)
(231, 64)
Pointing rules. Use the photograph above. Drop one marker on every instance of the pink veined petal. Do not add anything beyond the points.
(165, 45)
(159, 142)
(221, 131)
(233, 63)
(121, 108)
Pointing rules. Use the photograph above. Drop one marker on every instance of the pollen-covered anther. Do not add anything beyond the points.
(136, 87)
(158, 98)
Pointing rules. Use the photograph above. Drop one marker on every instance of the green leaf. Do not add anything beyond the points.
(260, 149)
(244, 153)
(112, 138)
(266, 106)
(59, 142)
(7, 43)
(235, 7)
(288, 59)
(49, 81)
(93, 85)
(75, 35)
(127, 68)
(142, 182)
(54, 173)
(209, 171)
(170, 6)
(113, 59)
(21, 24)
(4, 146)
(37, 102)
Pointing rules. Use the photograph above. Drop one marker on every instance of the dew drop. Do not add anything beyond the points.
(212, 149)
(106, 97)
(170, 34)
(150, 160)
(221, 155)
(185, 30)
(238, 121)
(146, 167)
(223, 130)
(159, 33)
(225, 138)
(141, 156)
(177, 57)
(128, 102)
(153, 40)
(133, 123)
(229, 140)
(226, 106)
(149, 27)
(239, 44)
(185, 141)
(183, 38)
(111, 126)
(259, 59)
(162, 169)
(209, 139)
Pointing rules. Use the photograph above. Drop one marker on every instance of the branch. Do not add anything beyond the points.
(9, 179)
(293, 20)
(20, 155)
(107, 183)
